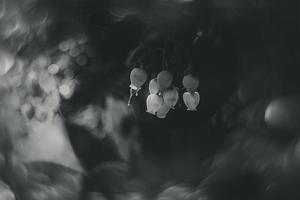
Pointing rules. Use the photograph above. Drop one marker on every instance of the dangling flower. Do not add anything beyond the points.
(153, 86)
(138, 77)
(191, 100)
(163, 111)
(153, 103)
(164, 80)
(171, 97)
(190, 82)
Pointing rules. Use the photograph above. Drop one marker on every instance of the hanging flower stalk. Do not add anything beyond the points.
(138, 77)
(162, 87)
(165, 77)
(190, 82)
(191, 97)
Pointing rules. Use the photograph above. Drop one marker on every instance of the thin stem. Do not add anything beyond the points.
(130, 97)
(132, 93)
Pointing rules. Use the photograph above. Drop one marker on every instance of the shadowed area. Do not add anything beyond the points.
(66, 131)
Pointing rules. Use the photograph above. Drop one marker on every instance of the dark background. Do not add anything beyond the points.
(248, 52)
(247, 55)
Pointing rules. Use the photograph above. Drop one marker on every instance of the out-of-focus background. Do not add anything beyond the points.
(66, 131)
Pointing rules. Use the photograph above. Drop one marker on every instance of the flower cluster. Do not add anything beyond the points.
(163, 94)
